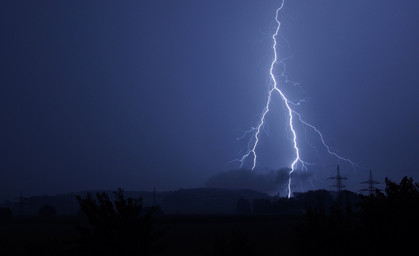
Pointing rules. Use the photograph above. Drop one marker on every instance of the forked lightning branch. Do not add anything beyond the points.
(292, 117)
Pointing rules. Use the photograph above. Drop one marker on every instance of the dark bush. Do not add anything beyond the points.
(379, 224)
(116, 228)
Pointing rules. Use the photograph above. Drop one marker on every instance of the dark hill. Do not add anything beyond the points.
(207, 200)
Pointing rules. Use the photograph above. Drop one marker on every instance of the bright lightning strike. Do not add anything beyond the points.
(292, 115)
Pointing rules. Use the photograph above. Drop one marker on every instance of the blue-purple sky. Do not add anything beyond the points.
(136, 94)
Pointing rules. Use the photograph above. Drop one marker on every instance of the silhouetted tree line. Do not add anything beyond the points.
(381, 223)
(299, 205)
(119, 227)
(349, 224)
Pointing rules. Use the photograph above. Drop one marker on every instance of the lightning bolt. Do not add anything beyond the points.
(292, 116)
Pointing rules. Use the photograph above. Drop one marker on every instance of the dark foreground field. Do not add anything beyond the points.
(183, 235)
(350, 224)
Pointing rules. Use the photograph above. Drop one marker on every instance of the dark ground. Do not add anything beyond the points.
(184, 235)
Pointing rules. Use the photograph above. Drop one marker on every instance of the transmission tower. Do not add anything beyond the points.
(371, 182)
(339, 185)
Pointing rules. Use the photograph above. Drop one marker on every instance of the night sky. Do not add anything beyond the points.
(137, 94)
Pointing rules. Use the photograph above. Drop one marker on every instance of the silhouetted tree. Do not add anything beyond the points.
(405, 190)
(47, 211)
(329, 224)
(118, 227)
(379, 224)
(391, 219)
